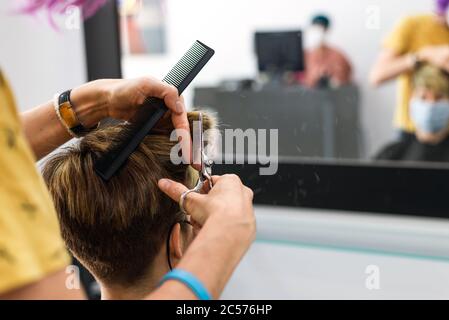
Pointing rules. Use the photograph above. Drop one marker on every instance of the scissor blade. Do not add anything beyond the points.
(198, 143)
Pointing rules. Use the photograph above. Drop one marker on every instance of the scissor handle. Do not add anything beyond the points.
(199, 185)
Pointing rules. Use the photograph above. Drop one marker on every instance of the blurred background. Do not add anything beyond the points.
(266, 73)
(357, 29)
(164, 29)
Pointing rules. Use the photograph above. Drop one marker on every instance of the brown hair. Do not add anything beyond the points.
(116, 228)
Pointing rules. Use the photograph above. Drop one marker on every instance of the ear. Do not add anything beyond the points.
(176, 243)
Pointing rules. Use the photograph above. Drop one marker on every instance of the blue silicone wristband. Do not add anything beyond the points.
(190, 281)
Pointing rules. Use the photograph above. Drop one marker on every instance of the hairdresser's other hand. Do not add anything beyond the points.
(120, 98)
(436, 55)
(228, 205)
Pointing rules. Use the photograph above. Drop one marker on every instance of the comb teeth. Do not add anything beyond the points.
(184, 66)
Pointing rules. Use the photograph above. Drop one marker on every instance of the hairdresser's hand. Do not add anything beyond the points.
(436, 55)
(229, 228)
(100, 99)
(119, 99)
(228, 205)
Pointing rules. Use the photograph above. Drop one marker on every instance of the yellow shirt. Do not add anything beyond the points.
(411, 35)
(30, 243)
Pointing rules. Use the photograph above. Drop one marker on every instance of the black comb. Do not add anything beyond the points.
(152, 111)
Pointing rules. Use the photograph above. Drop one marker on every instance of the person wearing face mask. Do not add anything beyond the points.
(416, 39)
(429, 112)
(326, 66)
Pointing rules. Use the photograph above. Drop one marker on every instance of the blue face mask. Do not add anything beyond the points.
(430, 117)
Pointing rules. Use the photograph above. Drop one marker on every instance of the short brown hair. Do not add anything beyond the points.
(116, 228)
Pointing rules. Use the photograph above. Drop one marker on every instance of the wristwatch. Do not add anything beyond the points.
(68, 117)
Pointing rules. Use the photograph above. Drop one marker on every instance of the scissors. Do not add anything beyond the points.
(199, 157)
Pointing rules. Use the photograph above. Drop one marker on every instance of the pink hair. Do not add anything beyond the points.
(55, 7)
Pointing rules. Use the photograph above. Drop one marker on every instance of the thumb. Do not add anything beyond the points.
(175, 189)
(171, 188)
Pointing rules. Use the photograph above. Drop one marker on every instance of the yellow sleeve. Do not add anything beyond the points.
(30, 243)
(400, 38)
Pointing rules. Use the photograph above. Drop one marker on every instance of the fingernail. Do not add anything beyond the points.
(179, 106)
(164, 183)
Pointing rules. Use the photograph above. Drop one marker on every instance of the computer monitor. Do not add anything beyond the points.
(279, 51)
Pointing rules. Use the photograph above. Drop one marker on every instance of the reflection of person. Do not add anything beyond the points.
(421, 38)
(429, 112)
(325, 65)
(131, 33)
(124, 231)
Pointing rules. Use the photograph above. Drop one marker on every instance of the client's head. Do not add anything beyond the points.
(429, 106)
(124, 231)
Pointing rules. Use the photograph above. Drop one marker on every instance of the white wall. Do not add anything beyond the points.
(38, 60)
(228, 26)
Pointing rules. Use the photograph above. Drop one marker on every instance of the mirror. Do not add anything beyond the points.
(320, 72)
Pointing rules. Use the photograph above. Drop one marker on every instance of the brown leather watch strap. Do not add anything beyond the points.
(68, 115)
